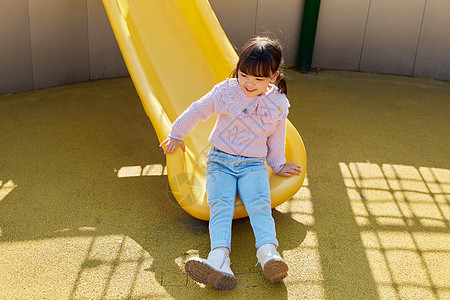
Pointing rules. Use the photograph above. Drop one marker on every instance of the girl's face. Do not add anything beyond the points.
(255, 86)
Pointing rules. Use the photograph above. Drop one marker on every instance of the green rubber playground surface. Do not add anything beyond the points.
(86, 212)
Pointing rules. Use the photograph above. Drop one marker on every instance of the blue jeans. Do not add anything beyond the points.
(230, 174)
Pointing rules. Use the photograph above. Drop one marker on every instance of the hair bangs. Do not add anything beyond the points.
(257, 63)
(256, 68)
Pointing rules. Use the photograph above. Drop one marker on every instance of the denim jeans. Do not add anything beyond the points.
(230, 174)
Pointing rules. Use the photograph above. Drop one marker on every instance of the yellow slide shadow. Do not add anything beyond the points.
(176, 51)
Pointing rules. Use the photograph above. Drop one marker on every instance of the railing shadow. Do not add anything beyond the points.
(402, 213)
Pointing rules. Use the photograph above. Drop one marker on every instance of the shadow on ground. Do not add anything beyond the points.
(70, 227)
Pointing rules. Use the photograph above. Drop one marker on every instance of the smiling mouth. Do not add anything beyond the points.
(250, 91)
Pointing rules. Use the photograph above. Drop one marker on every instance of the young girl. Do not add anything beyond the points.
(250, 129)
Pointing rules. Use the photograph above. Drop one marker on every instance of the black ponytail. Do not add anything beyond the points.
(281, 83)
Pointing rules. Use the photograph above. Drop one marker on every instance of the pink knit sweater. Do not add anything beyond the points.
(246, 126)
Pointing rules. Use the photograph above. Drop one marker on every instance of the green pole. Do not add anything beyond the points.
(308, 34)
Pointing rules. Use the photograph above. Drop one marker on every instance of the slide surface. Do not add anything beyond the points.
(176, 51)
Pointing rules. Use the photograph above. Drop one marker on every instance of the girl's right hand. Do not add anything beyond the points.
(171, 145)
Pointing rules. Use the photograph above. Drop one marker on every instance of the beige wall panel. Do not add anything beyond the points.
(59, 41)
(238, 19)
(281, 19)
(433, 55)
(392, 35)
(15, 51)
(51, 42)
(340, 34)
(105, 58)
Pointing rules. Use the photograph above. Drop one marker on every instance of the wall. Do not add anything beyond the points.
(405, 37)
(279, 19)
(52, 42)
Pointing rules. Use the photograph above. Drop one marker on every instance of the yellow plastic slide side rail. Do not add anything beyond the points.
(176, 51)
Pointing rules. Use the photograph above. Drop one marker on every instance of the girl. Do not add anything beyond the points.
(250, 129)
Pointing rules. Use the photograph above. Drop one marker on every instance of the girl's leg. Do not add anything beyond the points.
(221, 187)
(254, 191)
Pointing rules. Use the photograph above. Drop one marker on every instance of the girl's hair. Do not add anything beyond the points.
(262, 57)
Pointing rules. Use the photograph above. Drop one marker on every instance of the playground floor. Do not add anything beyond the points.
(86, 213)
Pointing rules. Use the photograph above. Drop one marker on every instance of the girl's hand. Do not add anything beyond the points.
(171, 145)
(290, 169)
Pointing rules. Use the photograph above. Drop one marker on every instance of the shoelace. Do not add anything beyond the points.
(223, 261)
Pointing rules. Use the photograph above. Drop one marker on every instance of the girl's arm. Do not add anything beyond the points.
(183, 125)
(199, 110)
(276, 152)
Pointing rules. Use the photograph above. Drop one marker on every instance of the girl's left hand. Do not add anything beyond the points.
(290, 169)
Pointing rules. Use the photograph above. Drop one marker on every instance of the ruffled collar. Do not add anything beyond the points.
(238, 103)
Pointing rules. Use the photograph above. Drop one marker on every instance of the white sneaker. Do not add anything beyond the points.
(272, 263)
(215, 270)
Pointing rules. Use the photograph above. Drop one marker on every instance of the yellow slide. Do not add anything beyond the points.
(176, 51)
